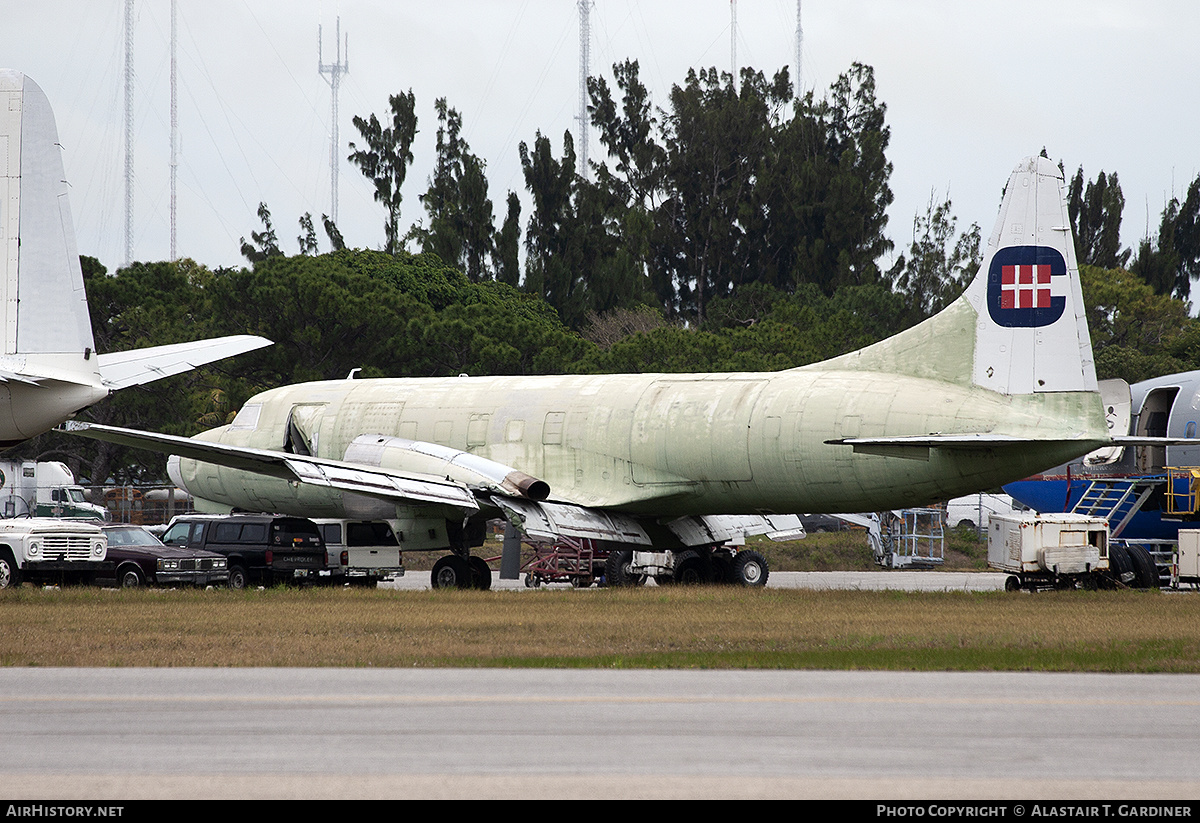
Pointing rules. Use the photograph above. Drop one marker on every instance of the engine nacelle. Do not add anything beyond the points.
(473, 471)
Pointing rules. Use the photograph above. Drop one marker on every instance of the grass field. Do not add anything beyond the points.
(701, 627)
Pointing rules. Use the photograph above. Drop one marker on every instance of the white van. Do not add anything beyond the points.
(360, 552)
(974, 510)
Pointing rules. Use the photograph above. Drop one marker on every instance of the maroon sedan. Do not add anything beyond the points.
(141, 559)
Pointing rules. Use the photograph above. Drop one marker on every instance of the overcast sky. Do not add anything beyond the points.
(970, 89)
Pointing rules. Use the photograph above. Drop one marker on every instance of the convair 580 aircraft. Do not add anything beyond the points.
(49, 368)
(996, 387)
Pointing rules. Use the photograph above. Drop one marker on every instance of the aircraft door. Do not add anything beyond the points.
(1118, 405)
(304, 429)
(1152, 422)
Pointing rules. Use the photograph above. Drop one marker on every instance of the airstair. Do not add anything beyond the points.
(1116, 499)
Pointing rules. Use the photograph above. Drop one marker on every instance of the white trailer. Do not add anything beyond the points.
(29, 489)
(1186, 568)
(1045, 551)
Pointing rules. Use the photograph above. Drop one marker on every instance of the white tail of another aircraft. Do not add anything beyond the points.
(49, 368)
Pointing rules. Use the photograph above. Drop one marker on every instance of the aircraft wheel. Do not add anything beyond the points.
(1120, 566)
(452, 572)
(129, 577)
(481, 573)
(10, 575)
(722, 566)
(690, 569)
(750, 569)
(617, 573)
(1144, 570)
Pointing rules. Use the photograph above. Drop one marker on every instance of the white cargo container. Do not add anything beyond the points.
(1187, 560)
(1049, 550)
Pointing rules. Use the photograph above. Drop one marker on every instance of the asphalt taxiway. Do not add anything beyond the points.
(126, 734)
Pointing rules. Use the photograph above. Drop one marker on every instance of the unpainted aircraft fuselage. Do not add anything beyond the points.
(662, 443)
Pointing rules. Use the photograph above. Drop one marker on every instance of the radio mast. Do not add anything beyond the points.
(585, 38)
(174, 129)
(128, 132)
(335, 71)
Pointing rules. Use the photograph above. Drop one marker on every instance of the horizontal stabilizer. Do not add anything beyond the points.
(916, 447)
(397, 487)
(1138, 440)
(133, 368)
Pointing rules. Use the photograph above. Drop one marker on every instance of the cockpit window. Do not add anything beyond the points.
(247, 418)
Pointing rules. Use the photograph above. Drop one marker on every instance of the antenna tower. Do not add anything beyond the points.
(174, 129)
(733, 40)
(799, 50)
(335, 71)
(128, 132)
(585, 39)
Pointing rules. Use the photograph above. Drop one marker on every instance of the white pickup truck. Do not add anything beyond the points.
(360, 552)
(46, 550)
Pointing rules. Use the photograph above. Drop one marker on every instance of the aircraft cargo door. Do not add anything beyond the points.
(693, 429)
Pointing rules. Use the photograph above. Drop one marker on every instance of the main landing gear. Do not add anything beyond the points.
(457, 572)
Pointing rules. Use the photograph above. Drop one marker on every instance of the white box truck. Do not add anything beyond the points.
(29, 489)
(1049, 551)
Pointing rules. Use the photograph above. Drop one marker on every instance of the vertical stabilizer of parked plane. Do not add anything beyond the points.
(1020, 326)
(49, 368)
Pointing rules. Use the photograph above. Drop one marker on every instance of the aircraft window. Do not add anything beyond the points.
(247, 418)
(1191, 429)
(477, 429)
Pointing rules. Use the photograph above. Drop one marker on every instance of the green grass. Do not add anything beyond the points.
(679, 627)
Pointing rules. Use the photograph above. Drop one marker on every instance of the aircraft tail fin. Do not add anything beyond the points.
(1020, 326)
(49, 369)
(42, 299)
(1031, 333)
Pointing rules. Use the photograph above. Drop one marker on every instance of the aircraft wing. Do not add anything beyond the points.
(133, 368)
(386, 484)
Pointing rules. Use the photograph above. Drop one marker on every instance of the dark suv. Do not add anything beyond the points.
(261, 548)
